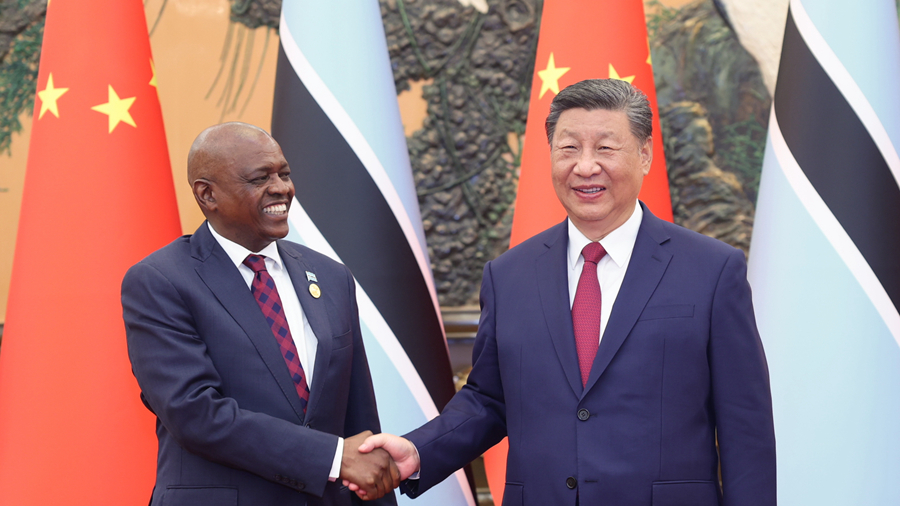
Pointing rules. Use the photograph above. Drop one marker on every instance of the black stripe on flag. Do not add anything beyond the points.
(346, 205)
(839, 157)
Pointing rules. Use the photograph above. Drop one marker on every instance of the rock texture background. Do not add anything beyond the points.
(21, 32)
(714, 110)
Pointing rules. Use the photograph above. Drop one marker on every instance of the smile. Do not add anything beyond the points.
(590, 191)
(276, 209)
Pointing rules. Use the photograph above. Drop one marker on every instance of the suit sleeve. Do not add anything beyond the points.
(740, 392)
(180, 384)
(475, 418)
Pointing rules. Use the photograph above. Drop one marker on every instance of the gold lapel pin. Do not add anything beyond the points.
(315, 291)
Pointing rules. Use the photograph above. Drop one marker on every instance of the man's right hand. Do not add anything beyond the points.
(373, 473)
(401, 449)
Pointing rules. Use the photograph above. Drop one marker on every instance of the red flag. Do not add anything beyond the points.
(579, 40)
(98, 197)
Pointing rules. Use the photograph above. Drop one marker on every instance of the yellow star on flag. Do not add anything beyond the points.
(550, 77)
(615, 75)
(49, 97)
(116, 109)
(153, 79)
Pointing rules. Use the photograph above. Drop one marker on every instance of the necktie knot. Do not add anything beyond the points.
(256, 263)
(593, 252)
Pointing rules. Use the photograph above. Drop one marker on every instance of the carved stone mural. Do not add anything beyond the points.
(466, 154)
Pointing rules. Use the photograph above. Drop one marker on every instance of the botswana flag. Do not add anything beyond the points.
(824, 256)
(338, 123)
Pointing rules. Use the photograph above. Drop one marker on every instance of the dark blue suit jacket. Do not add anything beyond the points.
(680, 362)
(229, 422)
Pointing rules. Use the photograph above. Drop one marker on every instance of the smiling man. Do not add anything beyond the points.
(248, 349)
(613, 348)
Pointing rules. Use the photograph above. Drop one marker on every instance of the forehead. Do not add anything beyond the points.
(252, 152)
(593, 123)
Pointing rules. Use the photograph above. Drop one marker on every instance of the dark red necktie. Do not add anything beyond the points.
(263, 288)
(586, 310)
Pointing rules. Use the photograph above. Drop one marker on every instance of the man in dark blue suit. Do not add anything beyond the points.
(248, 348)
(614, 349)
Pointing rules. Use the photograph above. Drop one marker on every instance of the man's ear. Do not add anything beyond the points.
(204, 194)
(647, 155)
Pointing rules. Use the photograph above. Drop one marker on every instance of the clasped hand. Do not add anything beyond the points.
(373, 465)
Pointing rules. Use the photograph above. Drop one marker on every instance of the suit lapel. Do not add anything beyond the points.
(649, 261)
(316, 312)
(553, 287)
(226, 283)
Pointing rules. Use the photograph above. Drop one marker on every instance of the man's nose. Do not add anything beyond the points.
(587, 164)
(280, 186)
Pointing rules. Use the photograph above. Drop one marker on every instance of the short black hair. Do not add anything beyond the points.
(608, 94)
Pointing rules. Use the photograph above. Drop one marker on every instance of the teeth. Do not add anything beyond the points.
(591, 190)
(276, 209)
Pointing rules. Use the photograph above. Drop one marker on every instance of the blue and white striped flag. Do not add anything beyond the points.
(338, 123)
(825, 255)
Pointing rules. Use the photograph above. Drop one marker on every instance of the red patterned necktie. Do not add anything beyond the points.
(586, 310)
(263, 288)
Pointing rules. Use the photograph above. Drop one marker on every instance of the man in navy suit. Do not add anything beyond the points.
(676, 364)
(255, 405)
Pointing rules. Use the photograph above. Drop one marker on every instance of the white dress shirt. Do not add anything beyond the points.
(611, 268)
(304, 339)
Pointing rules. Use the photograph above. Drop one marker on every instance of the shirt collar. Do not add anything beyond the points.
(238, 253)
(618, 244)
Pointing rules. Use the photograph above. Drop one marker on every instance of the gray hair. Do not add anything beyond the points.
(608, 94)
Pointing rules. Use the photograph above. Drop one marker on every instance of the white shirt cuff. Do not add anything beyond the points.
(336, 464)
(415, 475)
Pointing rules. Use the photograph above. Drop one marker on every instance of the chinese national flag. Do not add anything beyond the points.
(98, 197)
(586, 39)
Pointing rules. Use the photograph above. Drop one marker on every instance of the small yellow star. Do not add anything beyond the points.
(550, 77)
(116, 109)
(615, 75)
(153, 79)
(49, 97)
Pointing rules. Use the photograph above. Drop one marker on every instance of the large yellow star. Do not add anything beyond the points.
(153, 79)
(550, 77)
(615, 75)
(49, 97)
(116, 109)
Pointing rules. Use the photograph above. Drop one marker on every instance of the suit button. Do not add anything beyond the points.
(571, 482)
(300, 486)
(583, 414)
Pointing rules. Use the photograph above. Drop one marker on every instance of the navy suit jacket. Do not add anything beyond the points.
(680, 363)
(229, 422)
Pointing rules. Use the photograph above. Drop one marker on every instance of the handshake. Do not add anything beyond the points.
(373, 465)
